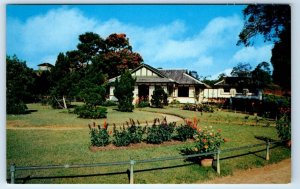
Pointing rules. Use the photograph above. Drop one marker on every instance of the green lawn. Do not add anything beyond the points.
(42, 116)
(218, 117)
(29, 147)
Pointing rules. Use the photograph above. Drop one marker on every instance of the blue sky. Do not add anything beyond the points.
(195, 37)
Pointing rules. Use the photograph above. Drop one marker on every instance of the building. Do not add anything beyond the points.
(45, 66)
(176, 83)
(234, 87)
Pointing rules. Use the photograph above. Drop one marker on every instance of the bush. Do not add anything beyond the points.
(184, 132)
(124, 91)
(136, 133)
(159, 98)
(157, 134)
(109, 103)
(99, 136)
(154, 135)
(208, 140)
(283, 127)
(14, 106)
(121, 138)
(91, 112)
(143, 104)
(198, 107)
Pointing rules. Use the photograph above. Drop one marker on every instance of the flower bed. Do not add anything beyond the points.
(198, 107)
(134, 133)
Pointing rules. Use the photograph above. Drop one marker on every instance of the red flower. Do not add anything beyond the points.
(104, 124)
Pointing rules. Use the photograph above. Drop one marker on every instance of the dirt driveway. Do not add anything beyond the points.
(279, 173)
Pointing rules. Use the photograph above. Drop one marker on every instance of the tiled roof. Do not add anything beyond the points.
(166, 76)
(181, 77)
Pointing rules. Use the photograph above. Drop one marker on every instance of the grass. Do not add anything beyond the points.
(33, 147)
(42, 116)
(218, 117)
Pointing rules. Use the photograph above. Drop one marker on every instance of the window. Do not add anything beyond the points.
(183, 91)
(226, 90)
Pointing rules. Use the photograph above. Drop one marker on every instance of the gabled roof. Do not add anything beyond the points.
(150, 68)
(165, 76)
(141, 79)
(181, 77)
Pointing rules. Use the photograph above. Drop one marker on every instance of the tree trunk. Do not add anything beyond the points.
(65, 105)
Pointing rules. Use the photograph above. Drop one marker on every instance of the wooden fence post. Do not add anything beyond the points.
(268, 151)
(132, 162)
(12, 173)
(218, 161)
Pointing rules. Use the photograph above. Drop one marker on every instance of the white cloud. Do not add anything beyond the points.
(55, 30)
(44, 36)
(254, 55)
(226, 72)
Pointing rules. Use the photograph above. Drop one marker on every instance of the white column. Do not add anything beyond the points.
(151, 89)
(175, 92)
(135, 94)
(192, 92)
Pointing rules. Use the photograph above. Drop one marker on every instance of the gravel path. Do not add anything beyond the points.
(279, 173)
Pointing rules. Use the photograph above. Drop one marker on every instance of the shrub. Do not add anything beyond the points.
(15, 107)
(283, 127)
(154, 135)
(124, 91)
(99, 136)
(121, 138)
(184, 132)
(143, 104)
(198, 107)
(157, 134)
(91, 112)
(109, 103)
(207, 140)
(136, 133)
(159, 98)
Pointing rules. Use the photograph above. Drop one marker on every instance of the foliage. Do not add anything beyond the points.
(274, 23)
(187, 130)
(93, 95)
(207, 140)
(19, 84)
(92, 112)
(159, 98)
(157, 134)
(121, 138)
(276, 106)
(99, 136)
(142, 102)
(198, 107)
(269, 20)
(261, 75)
(136, 133)
(132, 134)
(109, 103)
(241, 70)
(281, 61)
(124, 91)
(283, 127)
(184, 132)
(42, 83)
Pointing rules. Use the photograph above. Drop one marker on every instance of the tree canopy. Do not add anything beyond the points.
(273, 22)
(83, 72)
(19, 85)
(241, 70)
